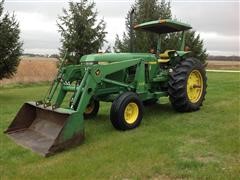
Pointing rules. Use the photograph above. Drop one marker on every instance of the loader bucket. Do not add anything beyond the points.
(44, 130)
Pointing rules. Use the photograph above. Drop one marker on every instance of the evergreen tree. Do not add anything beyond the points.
(195, 45)
(10, 45)
(108, 49)
(121, 46)
(193, 42)
(147, 10)
(81, 34)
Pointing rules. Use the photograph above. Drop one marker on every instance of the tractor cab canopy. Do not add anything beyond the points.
(163, 26)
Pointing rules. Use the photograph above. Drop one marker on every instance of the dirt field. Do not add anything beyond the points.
(32, 69)
(229, 65)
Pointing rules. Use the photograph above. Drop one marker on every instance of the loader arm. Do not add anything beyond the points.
(87, 88)
(91, 76)
(48, 129)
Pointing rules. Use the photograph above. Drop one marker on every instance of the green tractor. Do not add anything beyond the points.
(128, 80)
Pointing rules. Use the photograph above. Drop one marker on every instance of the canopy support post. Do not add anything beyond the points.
(159, 44)
(183, 41)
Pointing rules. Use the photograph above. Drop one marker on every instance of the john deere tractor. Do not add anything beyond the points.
(128, 80)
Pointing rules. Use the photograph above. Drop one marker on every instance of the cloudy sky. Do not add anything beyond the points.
(217, 21)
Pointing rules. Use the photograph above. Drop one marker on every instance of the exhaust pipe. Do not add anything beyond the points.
(131, 30)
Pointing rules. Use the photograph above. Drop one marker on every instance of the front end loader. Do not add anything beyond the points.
(128, 80)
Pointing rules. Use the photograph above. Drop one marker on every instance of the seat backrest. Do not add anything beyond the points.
(164, 57)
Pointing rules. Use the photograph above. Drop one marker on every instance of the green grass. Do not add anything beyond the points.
(168, 145)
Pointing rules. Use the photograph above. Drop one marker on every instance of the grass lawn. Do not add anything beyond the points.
(168, 145)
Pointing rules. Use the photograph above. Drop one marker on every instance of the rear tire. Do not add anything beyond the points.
(126, 111)
(187, 85)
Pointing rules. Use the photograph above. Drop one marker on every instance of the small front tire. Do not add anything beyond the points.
(126, 111)
(91, 109)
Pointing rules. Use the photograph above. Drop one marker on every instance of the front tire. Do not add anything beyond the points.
(187, 85)
(91, 109)
(126, 111)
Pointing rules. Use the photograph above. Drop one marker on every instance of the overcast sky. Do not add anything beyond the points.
(217, 21)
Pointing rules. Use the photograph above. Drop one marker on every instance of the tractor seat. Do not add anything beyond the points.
(164, 57)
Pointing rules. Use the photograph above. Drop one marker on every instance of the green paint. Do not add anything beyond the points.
(116, 57)
(163, 26)
(105, 76)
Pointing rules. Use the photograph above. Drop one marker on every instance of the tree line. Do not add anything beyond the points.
(81, 33)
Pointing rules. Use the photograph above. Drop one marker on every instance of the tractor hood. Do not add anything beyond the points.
(113, 57)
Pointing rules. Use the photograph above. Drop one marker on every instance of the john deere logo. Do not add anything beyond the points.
(97, 72)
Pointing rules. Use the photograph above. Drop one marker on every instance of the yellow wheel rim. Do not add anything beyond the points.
(194, 86)
(131, 113)
(90, 108)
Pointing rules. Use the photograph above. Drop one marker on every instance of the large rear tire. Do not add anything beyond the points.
(126, 111)
(187, 85)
